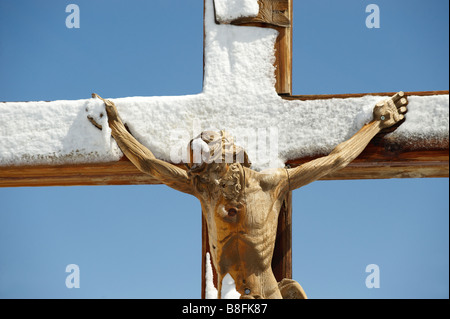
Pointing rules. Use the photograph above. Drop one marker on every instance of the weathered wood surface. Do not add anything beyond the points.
(270, 9)
(385, 159)
(282, 256)
(374, 163)
(206, 250)
(240, 206)
(276, 13)
(283, 46)
(381, 160)
(378, 162)
(122, 172)
(308, 97)
(252, 243)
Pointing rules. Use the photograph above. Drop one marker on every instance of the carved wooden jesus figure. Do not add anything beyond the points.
(240, 205)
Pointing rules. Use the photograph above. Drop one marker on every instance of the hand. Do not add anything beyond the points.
(110, 108)
(111, 111)
(391, 111)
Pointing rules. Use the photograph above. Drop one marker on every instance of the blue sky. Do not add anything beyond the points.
(145, 241)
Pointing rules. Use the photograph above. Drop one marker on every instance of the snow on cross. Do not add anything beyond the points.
(238, 96)
(53, 143)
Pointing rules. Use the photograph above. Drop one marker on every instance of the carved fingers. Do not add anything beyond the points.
(110, 107)
(391, 111)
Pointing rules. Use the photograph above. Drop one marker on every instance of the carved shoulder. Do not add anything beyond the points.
(273, 180)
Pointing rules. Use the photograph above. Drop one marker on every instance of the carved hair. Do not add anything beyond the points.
(214, 147)
(218, 170)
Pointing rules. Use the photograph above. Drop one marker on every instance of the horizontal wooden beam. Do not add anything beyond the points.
(382, 159)
(356, 95)
(378, 162)
(122, 172)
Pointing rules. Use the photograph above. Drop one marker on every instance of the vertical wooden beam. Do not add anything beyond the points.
(205, 250)
(283, 62)
(283, 45)
(282, 255)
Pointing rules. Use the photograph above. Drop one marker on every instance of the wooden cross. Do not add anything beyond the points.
(377, 161)
(381, 159)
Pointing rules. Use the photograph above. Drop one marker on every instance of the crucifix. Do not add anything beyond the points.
(382, 158)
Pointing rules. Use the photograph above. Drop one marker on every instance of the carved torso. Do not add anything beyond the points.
(241, 206)
(241, 209)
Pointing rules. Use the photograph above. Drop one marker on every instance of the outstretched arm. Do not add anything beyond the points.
(386, 114)
(142, 157)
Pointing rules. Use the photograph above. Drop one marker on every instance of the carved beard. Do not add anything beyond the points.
(221, 180)
(230, 184)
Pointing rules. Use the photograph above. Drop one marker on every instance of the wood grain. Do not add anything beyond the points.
(282, 255)
(282, 258)
(271, 12)
(382, 159)
(283, 48)
(122, 172)
(356, 95)
(376, 163)
(205, 250)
